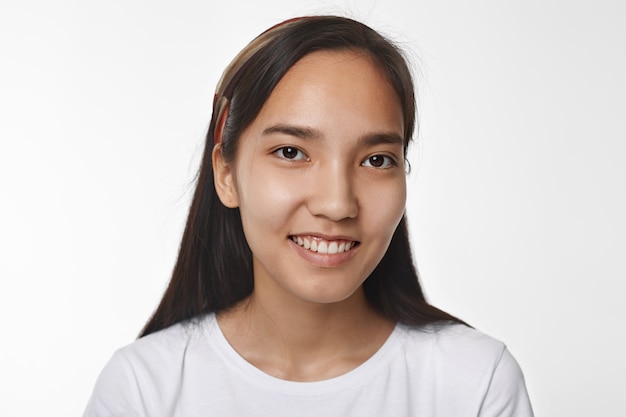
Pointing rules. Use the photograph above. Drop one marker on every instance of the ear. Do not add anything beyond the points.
(224, 179)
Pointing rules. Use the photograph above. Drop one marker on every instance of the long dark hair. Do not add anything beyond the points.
(214, 267)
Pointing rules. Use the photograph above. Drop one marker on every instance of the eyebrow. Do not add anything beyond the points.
(291, 130)
(382, 138)
(369, 139)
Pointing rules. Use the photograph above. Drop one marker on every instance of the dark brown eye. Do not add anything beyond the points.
(379, 161)
(376, 161)
(291, 153)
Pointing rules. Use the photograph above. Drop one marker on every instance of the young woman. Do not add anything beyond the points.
(295, 293)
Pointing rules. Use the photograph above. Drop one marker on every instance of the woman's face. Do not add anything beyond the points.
(319, 178)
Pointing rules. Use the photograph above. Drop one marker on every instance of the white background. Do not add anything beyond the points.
(517, 196)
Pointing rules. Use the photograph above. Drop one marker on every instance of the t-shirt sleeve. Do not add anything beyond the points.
(506, 395)
(116, 393)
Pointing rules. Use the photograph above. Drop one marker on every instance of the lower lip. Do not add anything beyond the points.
(325, 260)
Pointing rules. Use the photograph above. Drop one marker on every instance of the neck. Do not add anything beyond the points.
(299, 340)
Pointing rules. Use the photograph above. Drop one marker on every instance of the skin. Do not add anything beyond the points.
(322, 162)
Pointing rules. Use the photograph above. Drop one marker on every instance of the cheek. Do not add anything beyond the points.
(387, 205)
(267, 199)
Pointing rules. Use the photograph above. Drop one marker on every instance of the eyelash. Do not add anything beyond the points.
(387, 161)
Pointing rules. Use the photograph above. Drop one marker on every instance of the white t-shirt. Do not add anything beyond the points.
(191, 370)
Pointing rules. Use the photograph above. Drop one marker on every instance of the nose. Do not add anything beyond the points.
(333, 195)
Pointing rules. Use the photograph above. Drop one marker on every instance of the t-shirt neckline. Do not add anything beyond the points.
(253, 375)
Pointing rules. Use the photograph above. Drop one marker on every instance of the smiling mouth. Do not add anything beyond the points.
(323, 246)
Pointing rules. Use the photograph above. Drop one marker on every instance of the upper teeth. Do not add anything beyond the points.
(324, 246)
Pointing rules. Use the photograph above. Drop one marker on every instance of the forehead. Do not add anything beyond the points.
(325, 86)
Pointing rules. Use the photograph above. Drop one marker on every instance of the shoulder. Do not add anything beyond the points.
(468, 365)
(168, 343)
(141, 375)
(454, 342)
(166, 349)
(451, 342)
